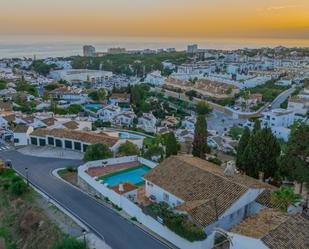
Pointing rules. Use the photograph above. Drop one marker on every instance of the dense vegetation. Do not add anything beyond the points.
(128, 149)
(97, 152)
(178, 223)
(129, 64)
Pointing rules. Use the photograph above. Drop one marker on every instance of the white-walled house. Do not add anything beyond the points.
(155, 78)
(298, 105)
(108, 112)
(270, 229)
(277, 118)
(124, 119)
(147, 122)
(188, 123)
(211, 196)
(22, 134)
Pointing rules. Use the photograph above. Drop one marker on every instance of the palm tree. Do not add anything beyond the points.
(285, 197)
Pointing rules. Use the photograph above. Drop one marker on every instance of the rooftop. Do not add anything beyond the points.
(87, 137)
(206, 191)
(276, 229)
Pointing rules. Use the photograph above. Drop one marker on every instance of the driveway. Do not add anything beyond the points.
(117, 232)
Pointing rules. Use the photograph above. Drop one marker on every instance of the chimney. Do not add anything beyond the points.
(261, 176)
(121, 188)
(230, 169)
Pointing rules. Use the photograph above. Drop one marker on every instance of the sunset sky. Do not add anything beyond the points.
(173, 18)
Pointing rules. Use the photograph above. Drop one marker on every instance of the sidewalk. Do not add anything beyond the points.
(51, 152)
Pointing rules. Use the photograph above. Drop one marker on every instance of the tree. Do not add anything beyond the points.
(242, 145)
(257, 126)
(202, 108)
(294, 164)
(285, 197)
(261, 154)
(200, 147)
(97, 152)
(70, 243)
(128, 149)
(99, 95)
(172, 146)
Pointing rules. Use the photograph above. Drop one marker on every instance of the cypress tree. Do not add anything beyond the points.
(200, 147)
(261, 154)
(171, 143)
(257, 126)
(244, 140)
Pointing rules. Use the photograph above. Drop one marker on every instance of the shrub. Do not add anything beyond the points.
(180, 224)
(128, 149)
(97, 152)
(70, 243)
(18, 187)
(71, 169)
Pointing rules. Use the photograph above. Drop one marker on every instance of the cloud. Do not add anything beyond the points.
(274, 8)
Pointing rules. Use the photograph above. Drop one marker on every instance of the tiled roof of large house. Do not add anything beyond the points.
(21, 128)
(276, 229)
(87, 137)
(206, 191)
(49, 121)
(72, 125)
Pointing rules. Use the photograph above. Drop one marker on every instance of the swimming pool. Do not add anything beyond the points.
(128, 136)
(133, 175)
(94, 106)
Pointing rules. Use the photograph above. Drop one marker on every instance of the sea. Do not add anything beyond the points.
(43, 46)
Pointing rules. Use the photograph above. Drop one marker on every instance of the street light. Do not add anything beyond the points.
(84, 234)
(27, 177)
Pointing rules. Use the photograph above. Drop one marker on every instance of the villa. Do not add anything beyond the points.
(147, 122)
(211, 196)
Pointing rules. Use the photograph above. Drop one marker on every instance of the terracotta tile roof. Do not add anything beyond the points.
(298, 100)
(207, 193)
(291, 234)
(265, 199)
(21, 128)
(127, 187)
(9, 118)
(276, 229)
(49, 121)
(6, 106)
(87, 137)
(72, 125)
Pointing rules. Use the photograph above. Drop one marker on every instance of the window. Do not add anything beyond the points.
(68, 144)
(58, 143)
(51, 141)
(85, 147)
(77, 146)
(16, 140)
(42, 142)
(165, 197)
(34, 141)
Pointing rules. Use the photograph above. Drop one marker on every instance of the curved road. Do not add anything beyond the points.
(117, 232)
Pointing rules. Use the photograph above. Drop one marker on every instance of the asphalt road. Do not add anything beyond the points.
(282, 97)
(117, 232)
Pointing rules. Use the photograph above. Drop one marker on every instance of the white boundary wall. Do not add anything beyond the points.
(135, 211)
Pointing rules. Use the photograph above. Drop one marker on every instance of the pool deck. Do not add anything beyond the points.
(104, 170)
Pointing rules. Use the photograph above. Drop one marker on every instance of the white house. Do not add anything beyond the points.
(108, 112)
(188, 123)
(124, 119)
(298, 105)
(277, 118)
(22, 134)
(147, 122)
(211, 196)
(155, 78)
(271, 229)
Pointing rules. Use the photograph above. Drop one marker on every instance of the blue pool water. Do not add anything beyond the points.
(95, 106)
(127, 136)
(134, 176)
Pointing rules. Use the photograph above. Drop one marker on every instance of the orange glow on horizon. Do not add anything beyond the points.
(175, 18)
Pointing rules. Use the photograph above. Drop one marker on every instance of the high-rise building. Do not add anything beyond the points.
(116, 51)
(89, 51)
(192, 49)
